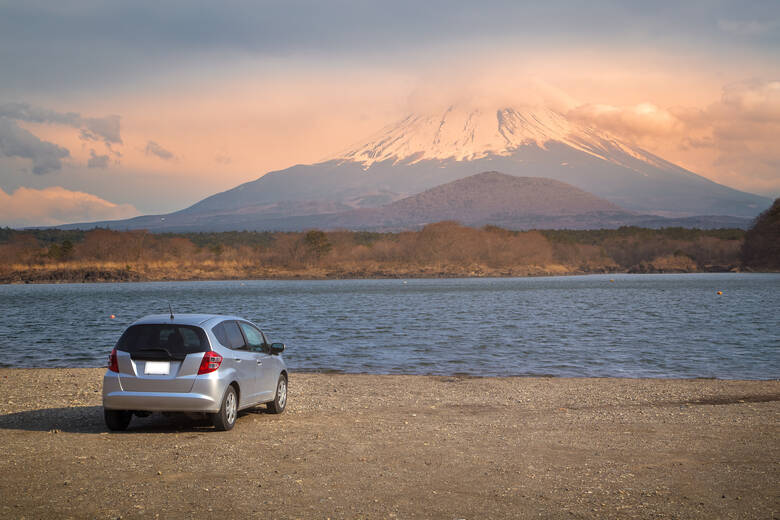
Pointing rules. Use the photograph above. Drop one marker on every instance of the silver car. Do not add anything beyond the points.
(193, 363)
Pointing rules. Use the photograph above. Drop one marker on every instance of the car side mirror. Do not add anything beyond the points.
(277, 348)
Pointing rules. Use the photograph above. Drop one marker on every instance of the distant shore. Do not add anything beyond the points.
(110, 273)
(440, 250)
(394, 446)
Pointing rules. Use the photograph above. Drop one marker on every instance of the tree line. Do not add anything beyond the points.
(440, 249)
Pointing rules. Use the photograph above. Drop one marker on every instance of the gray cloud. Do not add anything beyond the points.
(97, 161)
(747, 27)
(15, 141)
(105, 128)
(222, 158)
(42, 43)
(152, 148)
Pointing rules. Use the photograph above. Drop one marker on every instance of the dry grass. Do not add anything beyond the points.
(445, 249)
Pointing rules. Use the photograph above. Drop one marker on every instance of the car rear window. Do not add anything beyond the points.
(162, 341)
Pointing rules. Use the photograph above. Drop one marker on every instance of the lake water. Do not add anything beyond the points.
(616, 325)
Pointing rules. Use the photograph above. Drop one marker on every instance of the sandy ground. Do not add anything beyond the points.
(364, 446)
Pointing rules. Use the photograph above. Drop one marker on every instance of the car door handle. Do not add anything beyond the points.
(259, 362)
(237, 360)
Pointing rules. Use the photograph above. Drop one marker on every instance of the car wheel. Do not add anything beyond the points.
(280, 401)
(225, 418)
(117, 420)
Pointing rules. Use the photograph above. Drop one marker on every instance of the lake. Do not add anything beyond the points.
(602, 326)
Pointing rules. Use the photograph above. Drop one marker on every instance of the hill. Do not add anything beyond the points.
(489, 198)
(761, 250)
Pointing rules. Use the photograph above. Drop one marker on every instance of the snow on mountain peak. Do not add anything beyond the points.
(465, 134)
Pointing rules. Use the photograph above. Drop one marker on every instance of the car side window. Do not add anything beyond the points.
(229, 335)
(220, 334)
(254, 337)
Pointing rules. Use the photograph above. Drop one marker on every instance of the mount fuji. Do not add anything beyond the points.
(423, 151)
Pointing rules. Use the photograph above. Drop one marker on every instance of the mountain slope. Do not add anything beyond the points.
(488, 198)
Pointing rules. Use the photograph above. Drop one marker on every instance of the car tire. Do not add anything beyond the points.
(117, 420)
(225, 418)
(280, 399)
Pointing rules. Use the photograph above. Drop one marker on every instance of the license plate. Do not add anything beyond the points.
(157, 367)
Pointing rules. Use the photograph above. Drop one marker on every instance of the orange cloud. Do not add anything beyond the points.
(642, 120)
(56, 205)
(732, 141)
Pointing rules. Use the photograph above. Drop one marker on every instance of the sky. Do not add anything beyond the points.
(115, 109)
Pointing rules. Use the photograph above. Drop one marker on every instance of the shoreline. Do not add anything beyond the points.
(459, 375)
(400, 446)
(121, 276)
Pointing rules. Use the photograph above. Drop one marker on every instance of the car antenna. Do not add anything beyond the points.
(170, 309)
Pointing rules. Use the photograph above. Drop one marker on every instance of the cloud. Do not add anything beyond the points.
(113, 44)
(629, 121)
(97, 161)
(756, 100)
(732, 141)
(56, 205)
(92, 128)
(745, 125)
(152, 148)
(746, 27)
(222, 158)
(15, 141)
(743, 111)
(107, 128)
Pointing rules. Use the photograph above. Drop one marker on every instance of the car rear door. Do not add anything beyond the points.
(265, 372)
(242, 359)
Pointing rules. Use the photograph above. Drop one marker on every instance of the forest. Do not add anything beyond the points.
(444, 249)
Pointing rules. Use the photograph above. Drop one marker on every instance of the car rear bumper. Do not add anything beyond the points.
(206, 396)
(159, 402)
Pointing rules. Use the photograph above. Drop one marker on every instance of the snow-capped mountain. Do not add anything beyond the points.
(422, 151)
(541, 142)
(468, 134)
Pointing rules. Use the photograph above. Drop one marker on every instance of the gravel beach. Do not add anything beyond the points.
(371, 446)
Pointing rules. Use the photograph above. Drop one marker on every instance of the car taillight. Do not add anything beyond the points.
(211, 362)
(113, 364)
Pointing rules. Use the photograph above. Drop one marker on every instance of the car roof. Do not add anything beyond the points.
(184, 319)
